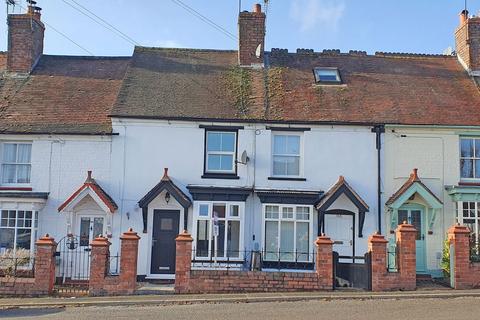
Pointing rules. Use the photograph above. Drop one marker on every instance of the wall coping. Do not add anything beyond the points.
(130, 235)
(323, 239)
(377, 238)
(406, 227)
(100, 242)
(184, 237)
(458, 229)
(46, 240)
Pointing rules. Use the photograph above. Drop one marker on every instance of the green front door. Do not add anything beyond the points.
(415, 216)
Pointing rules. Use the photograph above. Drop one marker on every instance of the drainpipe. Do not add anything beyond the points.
(378, 130)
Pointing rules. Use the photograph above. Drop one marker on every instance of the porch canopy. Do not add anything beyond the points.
(406, 192)
(165, 184)
(341, 187)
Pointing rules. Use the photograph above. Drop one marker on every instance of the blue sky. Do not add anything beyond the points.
(420, 26)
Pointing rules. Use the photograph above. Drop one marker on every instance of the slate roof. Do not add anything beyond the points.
(64, 94)
(381, 88)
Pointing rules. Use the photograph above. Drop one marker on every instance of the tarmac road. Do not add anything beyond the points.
(438, 309)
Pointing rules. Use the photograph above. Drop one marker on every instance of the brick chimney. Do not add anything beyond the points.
(467, 42)
(25, 40)
(251, 30)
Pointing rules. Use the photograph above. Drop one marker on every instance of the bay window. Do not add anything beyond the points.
(218, 228)
(286, 158)
(18, 230)
(288, 233)
(16, 163)
(468, 214)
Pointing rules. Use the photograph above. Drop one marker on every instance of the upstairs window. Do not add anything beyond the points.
(16, 163)
(286, 155)
(327, 75)
(470, 158)
(220, 151)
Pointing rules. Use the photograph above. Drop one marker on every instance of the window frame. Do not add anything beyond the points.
(33, 228)
(473, 158)
(16, 164)
(339, 80)
(295, 220)
(212, 173)
(460, 218)
(300, 154)
(197, 217)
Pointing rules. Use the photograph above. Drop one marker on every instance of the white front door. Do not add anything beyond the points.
(90, 227)
(339, 228)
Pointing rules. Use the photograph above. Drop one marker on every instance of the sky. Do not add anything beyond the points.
(416, 26)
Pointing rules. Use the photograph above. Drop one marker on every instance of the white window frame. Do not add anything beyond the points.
(300, 154)
(294, 219)
(209, 218)
(476, 218)
(467, 158)
(232, 153)
(33, 228)
(2, 149)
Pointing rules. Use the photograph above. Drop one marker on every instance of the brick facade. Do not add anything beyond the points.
(405, 277)
(251, 26)
(25, 42)
(44, 280)
(466, 274)
(125, 283)
(226, 281)
(467, 41)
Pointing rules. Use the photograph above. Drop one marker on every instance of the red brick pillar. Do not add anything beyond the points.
(98, 266)
(377, 246)
(459, 238)
(324, 262)
(406, 250)
(45, 264)
(183, 262)
(128, 261)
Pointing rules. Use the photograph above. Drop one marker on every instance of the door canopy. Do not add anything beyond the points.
(341, 187)
(89, 188)
(165, 184)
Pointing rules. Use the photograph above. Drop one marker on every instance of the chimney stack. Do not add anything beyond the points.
(467, 42)
(251, 29)
(25, 40)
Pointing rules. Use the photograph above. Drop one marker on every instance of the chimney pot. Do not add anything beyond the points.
(257, 8)
(463, 16)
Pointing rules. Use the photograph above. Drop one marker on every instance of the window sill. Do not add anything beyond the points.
(220, 176)
(469, 183)
(286, 179)
(13, 188)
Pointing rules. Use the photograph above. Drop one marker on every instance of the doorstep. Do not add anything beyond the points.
(158, 287)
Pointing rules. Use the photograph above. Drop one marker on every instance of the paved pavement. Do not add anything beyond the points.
(439, 309)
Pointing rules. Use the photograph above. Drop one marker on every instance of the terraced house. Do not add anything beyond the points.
(254, 152)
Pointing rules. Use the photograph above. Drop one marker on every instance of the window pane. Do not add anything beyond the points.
(271, 240)
(279, 144)
(97, 227)
(228, 141)
(233, 241)
(466, 147)
(9, 153)
(226, 162)
(214, 141)
(477, 168)
(214, 162)
(219, 210)
(24, 238)
(8, 173)
(303, 213)
(293, 166)
(234, 211)
(7, 237)
(220, 249)
(477, 148)
(279, 166)
(84, 231)
(287, 213)
(24, 153)
(23, 173)
(287, 240)
(303, 239)
(402, 216)
(286, 166)
(293, 145)
(203, 210)
(466, 168)
(202, 238)
(271, 212)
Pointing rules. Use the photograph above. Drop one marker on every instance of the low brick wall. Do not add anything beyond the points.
(44, 279)
(466, 274)
(227, 281)
(125, 283)
(222, 281)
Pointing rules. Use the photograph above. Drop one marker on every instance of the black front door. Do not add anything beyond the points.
(165, 230)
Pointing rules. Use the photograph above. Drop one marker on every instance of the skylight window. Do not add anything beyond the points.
(327, 75)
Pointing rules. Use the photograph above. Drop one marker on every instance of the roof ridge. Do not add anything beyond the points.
(87, 57)
(145, 48)
(356, 53)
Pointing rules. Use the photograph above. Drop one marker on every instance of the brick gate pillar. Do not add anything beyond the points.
(45, 264)
(406, 249)
(324, 262)
(183, 262)
(377, 246)
(98, 265)
(128, 261)
(459, 238)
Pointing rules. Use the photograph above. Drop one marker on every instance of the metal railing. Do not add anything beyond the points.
(392, 258)
(248, 260)
(113, 265)
(17, 267)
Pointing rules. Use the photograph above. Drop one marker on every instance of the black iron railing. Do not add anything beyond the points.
(113, 265)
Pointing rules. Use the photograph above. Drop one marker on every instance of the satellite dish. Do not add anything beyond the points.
(258, 52)
(244, 158)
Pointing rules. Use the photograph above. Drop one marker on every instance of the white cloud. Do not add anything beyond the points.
(310, 14)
